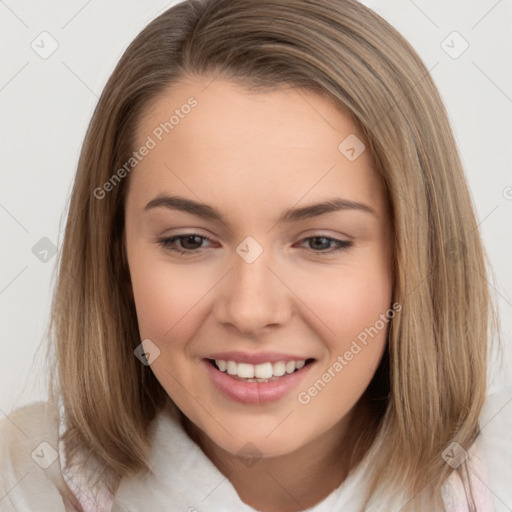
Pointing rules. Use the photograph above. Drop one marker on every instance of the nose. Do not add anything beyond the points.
(253, 296)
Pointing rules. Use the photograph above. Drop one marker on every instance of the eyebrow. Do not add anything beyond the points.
(292, 215)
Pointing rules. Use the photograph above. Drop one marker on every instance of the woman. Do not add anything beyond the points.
(288, 375)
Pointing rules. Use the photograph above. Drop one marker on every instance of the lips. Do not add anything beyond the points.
(252, 389)
(261, 371)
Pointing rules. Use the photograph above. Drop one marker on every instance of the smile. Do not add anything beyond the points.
(259, 383)
(264, 372)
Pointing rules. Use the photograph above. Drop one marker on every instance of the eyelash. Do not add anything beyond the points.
(166, 243)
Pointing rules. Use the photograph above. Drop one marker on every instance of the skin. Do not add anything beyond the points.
(252, 156)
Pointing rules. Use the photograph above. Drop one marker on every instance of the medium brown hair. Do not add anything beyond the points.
(431, 384)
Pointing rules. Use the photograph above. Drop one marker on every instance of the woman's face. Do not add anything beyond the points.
(255, 281)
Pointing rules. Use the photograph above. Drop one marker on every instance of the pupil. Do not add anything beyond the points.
(188, 239)
(316, 239)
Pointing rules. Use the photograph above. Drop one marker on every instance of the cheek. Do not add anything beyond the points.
(363, 301)
(166, 296)
(355, 309)
(352, 303)
(347, 300)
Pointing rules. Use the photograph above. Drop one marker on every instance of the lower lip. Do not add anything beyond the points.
(255, 392)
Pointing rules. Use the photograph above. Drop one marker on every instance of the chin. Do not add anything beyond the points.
(259, 443)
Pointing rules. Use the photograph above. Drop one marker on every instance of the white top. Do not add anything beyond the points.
(184, 479)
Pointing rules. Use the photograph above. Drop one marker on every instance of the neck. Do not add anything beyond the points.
(286, 483)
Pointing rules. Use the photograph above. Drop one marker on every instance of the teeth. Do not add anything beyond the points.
(263, 371)
(246, 371)
(232, 368)
(259, 371)
(279, 368)
(290, 367)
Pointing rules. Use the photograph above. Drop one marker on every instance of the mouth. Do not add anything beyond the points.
(257, 384)
(259, 373)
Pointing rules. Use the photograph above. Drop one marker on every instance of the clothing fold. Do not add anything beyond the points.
(36, 476)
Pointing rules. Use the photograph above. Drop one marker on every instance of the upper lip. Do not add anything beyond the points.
(255, 358)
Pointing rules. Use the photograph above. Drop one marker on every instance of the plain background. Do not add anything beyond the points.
(46, 104)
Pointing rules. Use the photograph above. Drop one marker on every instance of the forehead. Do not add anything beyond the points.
(219, 140)
(224, 108)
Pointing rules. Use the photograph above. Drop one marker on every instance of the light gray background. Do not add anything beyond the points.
(46, 105)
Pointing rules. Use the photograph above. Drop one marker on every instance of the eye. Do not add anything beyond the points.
(320, 242)
(188, 243)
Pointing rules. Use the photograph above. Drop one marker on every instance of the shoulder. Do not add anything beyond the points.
(31, 417)
(22, 429)
(30, 473)
(485, 472)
